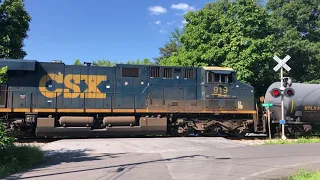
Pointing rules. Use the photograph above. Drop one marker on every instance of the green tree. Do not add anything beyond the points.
(4, 139)
(296, 26)
(3, 74)
(77, 62)
(108, 63)
(145, 61)
(104, 63)
(14, 24)
(229, 33)
(170, 47)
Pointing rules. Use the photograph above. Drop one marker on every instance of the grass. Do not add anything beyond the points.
(293, 141)
(17, 158)
(305, 175)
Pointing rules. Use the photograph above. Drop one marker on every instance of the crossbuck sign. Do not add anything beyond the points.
(282, 63)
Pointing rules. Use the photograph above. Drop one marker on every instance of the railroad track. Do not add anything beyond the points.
(52, 139)
(36, 140)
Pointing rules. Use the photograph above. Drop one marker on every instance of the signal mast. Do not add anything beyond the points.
(284, 90)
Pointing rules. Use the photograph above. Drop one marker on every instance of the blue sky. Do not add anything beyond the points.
(102, 29)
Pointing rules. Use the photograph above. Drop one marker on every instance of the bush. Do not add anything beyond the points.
(4, 139)
(16, 158)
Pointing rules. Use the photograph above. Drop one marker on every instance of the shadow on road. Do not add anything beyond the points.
(243, 162)
(53, 158)
(81, 155)
(70, 156)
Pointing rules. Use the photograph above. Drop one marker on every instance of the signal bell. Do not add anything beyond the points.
(275, 92)
(289, 92)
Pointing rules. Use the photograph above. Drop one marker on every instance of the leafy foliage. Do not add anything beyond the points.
(145, 61)
(305, 175)
(3, 74)
(14, 24)
(245, 36)
(225, 33)
(314, 81)
(170, 47)
(108, 63)
(103, 63)
(296, 26)
(5, 141)
(77, 62)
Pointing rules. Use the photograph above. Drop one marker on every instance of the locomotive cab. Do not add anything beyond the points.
(218, 82)
(222, 90)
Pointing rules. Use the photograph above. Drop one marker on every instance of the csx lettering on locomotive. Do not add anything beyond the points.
(71, 86)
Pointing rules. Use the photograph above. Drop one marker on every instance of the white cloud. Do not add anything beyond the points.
(182, 6)
(184, 21)
(157, 22)
(171, 22)
(157, 10)
(162, 30)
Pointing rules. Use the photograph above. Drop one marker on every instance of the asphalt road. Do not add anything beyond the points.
(171, 158)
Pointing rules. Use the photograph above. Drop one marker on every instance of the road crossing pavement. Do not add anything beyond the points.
(170, 158)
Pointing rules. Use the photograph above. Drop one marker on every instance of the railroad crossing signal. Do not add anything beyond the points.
(282, 63)
(275, 92)
(289, 92)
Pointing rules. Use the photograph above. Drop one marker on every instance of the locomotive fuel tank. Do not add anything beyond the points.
(76, 121)
(304, 106)
(119, 121)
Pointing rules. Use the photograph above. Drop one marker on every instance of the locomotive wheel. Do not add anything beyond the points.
(183, 132)
(239, 133)
(214, 130)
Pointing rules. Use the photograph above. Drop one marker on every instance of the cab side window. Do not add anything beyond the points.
(219, 78)
(230, 78)
(216, 77)
(210, 77)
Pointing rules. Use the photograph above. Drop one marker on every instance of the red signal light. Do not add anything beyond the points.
(289, 92)
(275, 92)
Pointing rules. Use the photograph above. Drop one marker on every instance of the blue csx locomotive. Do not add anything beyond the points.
(54, 99)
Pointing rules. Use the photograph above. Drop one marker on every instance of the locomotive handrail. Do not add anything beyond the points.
(145, 88)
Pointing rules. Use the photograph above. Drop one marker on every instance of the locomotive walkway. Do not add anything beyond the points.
(171, 158)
